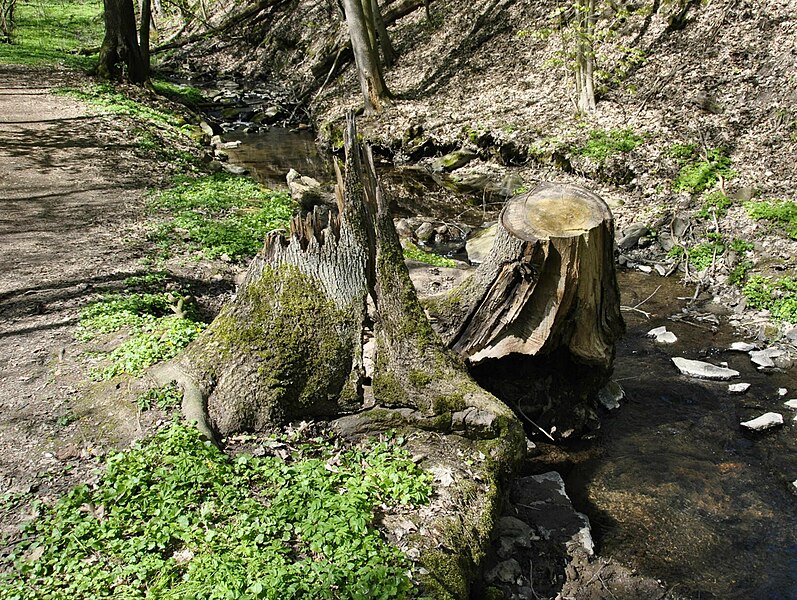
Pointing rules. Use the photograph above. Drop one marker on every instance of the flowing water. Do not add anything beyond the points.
(673, 486)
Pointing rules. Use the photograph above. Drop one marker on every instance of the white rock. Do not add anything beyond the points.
(657, 331)
(791, 403)
(742, 347)
(703, 370)
(782, 391)
(645, 268)
(668, 337)
(765, 421)
(738, 388)
(764, 358)
(794, 483)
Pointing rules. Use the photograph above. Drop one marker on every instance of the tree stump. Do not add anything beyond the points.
(538, 320)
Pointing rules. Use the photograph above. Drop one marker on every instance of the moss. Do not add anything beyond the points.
(419, 378)
(388, 390)
(446, 578)
(451, 403)
(286, 325)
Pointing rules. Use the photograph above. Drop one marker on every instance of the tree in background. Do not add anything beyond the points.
(7, 20)
(363, 18)
(121, 44)
(584, 59)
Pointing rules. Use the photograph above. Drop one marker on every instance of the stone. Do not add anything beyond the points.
(234, 169)
(631, 234)
(207, 128)
(645, 269)
(478, 246)
(703, 370)
(657, 331)
(611, 395)
(764, 422)
(660, 269)
(508, 571)
(791, 404)
(425, 231)
(404, 230)
(782, 391)
(668, 337)
(765, 358)
(453, 160)
(742, 347)
(304, 190)
(738, 388)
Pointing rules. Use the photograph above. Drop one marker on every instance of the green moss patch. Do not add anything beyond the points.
(604, 143)
(174, 518)
(412, 252)
(699, 172)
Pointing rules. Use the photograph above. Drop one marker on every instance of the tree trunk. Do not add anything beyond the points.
(144, 30)
(366, 58)
(120, 45)
(388, 51)
(538, 320)
(7, 20)
(585, 57)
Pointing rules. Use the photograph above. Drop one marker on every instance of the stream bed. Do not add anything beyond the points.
(673, 486)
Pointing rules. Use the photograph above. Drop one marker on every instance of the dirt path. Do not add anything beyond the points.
(71, 194)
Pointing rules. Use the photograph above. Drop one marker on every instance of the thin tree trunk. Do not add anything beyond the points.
(375, 93)
(585, 58)
(7, 20)
(388, 51)
(144, 29)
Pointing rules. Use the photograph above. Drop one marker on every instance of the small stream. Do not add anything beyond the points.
(672, 485)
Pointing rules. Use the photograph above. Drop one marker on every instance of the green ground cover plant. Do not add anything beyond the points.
(715, 203)
(218, 215)
(175, 518)
(412, 252)
(158, 325)
(164, 398)
(52, 31)
(604, 143)
(184, 94)
(702, 255)
(699, 171)
(111, 99)
(781, 212)
(779, 296)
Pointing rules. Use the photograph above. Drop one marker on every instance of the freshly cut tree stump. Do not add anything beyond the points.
(538, 320)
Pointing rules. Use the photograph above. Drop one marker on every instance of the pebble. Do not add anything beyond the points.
(742, 347)
(765, 421)
(782, 391)
(738, 388)
(791, 403)
(662, 335)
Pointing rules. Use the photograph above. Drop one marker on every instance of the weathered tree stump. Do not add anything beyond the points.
(538, 320)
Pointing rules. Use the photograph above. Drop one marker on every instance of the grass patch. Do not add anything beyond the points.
(159, 323)
(51, 32)
(111, 99)
(782, 212)
(175, 518)
(412, 252)
(702, 255)
(219, 215)
(699, 172)
(604, 143)
(184, 94)
(778, 296)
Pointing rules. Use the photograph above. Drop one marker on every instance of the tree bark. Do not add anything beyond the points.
(389, 53)
(585, 57)
(538, 320)
(120, 45)
(144, 30)
(7, 20)
(366, 58)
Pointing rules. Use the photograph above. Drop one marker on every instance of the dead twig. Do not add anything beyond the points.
(636, 306)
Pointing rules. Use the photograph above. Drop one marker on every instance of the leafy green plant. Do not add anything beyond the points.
(740, 246)
(219, 214)
(782, 212)
(175, 518)
(165, 398)
(778, 296)
(604, 143)
(115, 311)
(715, 203)
(702, 255)
(700, 172)
(739, 272)
(412, 252)
(110, 99)
(51, 32)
